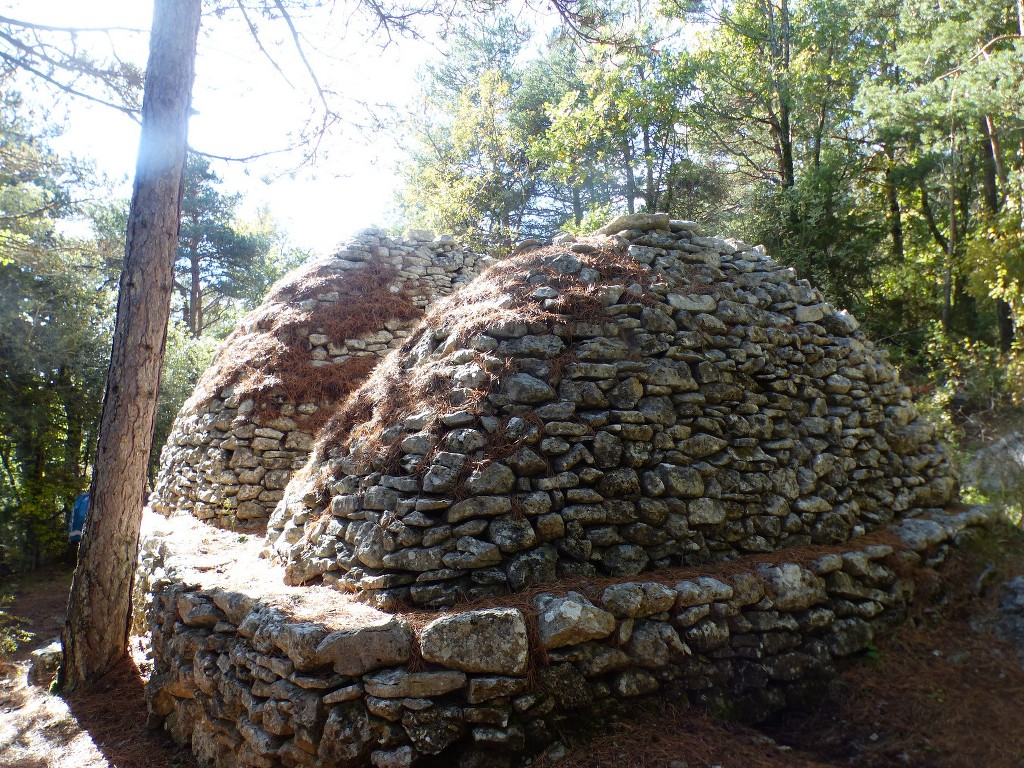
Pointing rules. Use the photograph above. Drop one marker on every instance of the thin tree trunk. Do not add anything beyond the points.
(577, 205)
(627, 157)
(951, 246)
(95, 634)
(652, 194)
(895, 212)
(994, 184)
(195, 296)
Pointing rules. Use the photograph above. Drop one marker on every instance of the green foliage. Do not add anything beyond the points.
(978, 373)
(994, 254)
(219, 262)
(55, 325)
(593, 219)
(12, 628)
(615, 135)
(820, 227)
(56, 315)
(473, 177)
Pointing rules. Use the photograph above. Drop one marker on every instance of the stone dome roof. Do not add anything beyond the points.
(643, 398)
(321, 330)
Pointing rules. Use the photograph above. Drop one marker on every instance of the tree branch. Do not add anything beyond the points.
(67, 30)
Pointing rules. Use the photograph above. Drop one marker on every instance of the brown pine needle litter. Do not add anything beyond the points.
(267, 356)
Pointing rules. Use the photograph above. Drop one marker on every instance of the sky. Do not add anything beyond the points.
(244, 106)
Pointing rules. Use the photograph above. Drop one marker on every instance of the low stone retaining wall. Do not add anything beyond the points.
(251, 672)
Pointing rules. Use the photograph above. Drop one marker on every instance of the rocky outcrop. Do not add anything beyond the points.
(321, 330)
(637, 400)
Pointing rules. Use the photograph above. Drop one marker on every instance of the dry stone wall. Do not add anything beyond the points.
(252, 420)
(260, 679)
(641, 399)
(640, 426)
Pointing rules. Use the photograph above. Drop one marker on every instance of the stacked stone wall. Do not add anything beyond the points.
(637, 400)
(725, 474)
(236, 443)
(246, 683)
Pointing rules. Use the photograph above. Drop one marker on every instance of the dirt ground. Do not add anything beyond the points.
(102, 728)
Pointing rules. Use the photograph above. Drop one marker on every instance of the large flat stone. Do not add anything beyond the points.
(400, 684)
(492, 640)
(571, 620)
(368, 647)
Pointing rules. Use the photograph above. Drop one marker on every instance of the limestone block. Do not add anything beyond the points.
(370, 646)
(492, 641)
(638, 599)
(570, 620)
(399, 683)
(793, 588)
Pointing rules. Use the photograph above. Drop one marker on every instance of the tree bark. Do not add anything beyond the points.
(95, 634)
(895, 212)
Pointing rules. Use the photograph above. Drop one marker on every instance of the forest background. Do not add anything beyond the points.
(877, 147)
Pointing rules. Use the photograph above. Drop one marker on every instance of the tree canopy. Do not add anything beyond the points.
(876, 147)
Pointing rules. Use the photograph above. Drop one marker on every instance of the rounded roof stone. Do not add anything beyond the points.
(639, 399)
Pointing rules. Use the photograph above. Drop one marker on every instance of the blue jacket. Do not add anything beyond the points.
(78, 513)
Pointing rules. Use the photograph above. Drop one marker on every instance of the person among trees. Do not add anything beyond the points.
(76, 524)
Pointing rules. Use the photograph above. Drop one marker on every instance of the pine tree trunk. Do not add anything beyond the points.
(95, 635)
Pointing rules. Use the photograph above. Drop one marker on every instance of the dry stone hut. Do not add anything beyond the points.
(645, 399)
(647, 462)
(321, 330)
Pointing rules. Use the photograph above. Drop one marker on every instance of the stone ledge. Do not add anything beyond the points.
(254, 673)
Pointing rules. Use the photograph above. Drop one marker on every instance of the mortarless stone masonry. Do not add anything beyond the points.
(634, 408)
(639, 400)
(228, 459)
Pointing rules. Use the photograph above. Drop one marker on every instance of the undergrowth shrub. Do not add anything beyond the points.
(12, 628)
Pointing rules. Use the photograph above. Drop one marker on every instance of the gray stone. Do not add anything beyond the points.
(655, 644)
(793, 588)
(706, 511)
(512, 534)
(359, 650)
(570, 620)
(625, 559)
(402, 757)
(642, 221)
(483, 689)
(635, 682)
(479, 506)
(472, 553)
(702, 445)
(440, 479)
(347, 736)
(638, 599)
(301, 642)
(495, 478)
(684, 482)
(433, 730)
(44, 663)
(619, 482)
(707, 635)
(701, 591)
(537, 566)
(400, 684)
(524, 388)
(492, 640)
